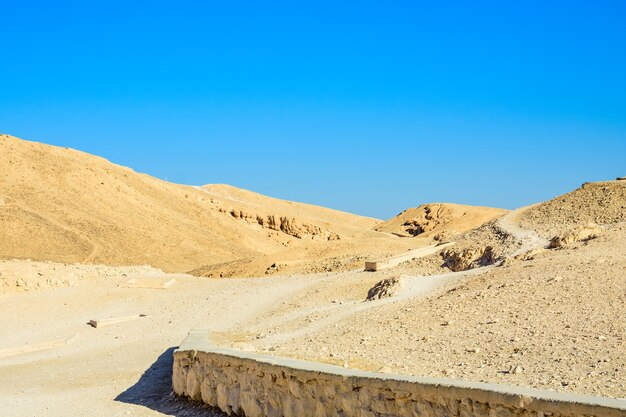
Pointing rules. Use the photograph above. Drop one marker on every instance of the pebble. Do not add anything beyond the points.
(385, 370)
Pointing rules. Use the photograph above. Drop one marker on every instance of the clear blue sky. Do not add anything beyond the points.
(368, 107)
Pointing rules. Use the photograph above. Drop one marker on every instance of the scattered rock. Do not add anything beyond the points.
(443, 236)
(514, 369)
(530, 255)
(273, 268)
(386, 288)
(555, 279)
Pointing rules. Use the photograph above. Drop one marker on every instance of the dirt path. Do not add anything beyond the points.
(529, 238)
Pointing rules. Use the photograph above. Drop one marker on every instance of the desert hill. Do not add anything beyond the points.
(579, 215)
(62, 205)
(435, 218)
(602, 203)
(59, 204)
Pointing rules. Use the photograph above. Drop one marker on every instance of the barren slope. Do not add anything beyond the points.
(594, 202)
(58, 204)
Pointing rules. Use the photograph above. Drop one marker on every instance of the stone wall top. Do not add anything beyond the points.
(512, 396)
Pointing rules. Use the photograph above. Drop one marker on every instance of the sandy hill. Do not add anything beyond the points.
(431, 219)
(63, 205)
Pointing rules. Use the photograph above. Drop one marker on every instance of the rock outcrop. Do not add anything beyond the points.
(435, 218)
(287, 225)
(581, 233)
(468, 258)
(386, 288)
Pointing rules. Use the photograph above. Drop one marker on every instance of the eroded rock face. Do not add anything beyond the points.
(289, 226)
(468, 258)
(431, 216)
(385, 289)
(582, 233)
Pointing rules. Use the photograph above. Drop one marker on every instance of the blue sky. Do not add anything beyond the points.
(368, 107)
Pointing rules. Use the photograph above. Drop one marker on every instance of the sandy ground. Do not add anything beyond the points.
(123, 369)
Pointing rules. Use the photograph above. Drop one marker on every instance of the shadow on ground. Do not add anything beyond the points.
(154, 391)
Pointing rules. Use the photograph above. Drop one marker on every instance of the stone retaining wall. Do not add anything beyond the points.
(257, 385)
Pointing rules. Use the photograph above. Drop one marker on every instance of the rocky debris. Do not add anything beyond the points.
(428, 265)
(530, 255)
(478, 247)
(468, 258)
(581, 233)
(443, 236)
(335, 263)
(514, 369)
(251, 267)
(386, 288)
(273, 268)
